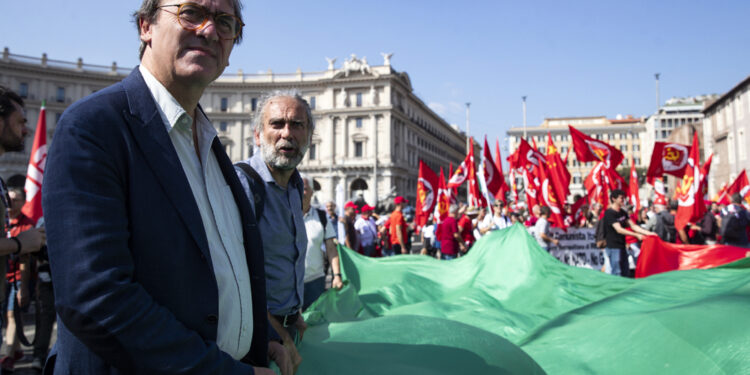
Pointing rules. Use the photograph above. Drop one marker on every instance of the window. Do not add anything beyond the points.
(224, 104)
(564, 150)
(312, 102)
(57, 117)
(358, 152)
(635, 136)
(60, 95)
(23, 90)
(637, 161)
(664, 134)
(359, 123)
(623, 148)
(253, 103)
(636, 147)
(610, 137)
(223, 126)
(313, 150)
(359, 99)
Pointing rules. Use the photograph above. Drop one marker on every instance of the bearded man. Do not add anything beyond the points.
(283, 128)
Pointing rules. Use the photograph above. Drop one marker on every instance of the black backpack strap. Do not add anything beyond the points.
(323, 218)
(257, 187)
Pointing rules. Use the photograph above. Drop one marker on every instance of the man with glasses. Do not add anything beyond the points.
(154, 251)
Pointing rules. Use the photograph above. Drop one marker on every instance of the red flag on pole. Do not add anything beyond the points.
(531, 186)
(667, 158)
(721, 195)
(427, 185)
(492, 176)
(443, 199)
(691, 206)
(558, 172)
(475, 195)
(35, 172)
(590, 149)
(740, 186)
(549, 198)
(499, 165)
(704, 178)
(453, 191)
(635, 198)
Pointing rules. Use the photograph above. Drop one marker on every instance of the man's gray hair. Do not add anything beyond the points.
(453, 209)
(289, 93)
(149, 9)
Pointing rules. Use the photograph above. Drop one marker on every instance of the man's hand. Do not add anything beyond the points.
(556, 241)
(263, 371)
(32, 240)
(278, 354)
(336, 282)
(301, 326)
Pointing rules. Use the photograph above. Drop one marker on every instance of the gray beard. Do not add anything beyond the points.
(275, 160)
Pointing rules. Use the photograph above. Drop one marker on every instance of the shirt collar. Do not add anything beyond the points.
(170, 110)
(260, 166)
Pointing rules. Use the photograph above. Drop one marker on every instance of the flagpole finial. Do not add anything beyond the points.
(44, 102)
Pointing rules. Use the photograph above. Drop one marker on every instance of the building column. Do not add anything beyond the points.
(374, 122)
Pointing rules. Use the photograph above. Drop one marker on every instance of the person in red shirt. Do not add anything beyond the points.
(397, 228)
(449, 236)
(18, 277)
(466, 226)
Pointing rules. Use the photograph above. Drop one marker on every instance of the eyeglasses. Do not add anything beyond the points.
(192, 16)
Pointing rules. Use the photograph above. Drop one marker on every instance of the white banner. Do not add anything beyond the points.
(578, 248)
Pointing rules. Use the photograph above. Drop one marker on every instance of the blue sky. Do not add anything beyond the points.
(575, 58)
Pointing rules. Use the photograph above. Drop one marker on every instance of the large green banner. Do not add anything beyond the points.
(508, 307)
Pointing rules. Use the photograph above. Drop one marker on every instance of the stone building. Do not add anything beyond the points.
(371, 129)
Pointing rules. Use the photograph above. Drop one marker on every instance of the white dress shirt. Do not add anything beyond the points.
(220, 217)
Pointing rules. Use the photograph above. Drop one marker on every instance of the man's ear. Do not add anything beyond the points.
(145, 27)
(256, 135)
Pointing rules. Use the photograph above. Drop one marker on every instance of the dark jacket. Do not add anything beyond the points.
(134, 285)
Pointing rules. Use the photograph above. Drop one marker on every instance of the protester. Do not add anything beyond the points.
(351, 237)
(18, 279)
(466, 226)
(663, 221)
(593, 215)
(282, 127)
(734, 223)
(500, 219)
(483, 224)
(333, 217)
(542, 231)
(449, 236)
(397, 228)
(367, 231)
(428, 237)
(320, 237)
(146, 217)
(709, 226)
(617, 225)
(533, 216)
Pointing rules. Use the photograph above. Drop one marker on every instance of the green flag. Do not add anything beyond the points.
(509, 307)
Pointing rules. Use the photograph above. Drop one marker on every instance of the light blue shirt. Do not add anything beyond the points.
(282, 228)
(220, 217)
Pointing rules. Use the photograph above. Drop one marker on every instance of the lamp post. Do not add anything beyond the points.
(524, 116)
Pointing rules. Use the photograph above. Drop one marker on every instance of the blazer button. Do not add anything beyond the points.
(212, 319)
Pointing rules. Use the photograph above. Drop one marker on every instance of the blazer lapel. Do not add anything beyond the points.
(150, 134)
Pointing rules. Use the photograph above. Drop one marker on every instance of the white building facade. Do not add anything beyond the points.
(371, 129)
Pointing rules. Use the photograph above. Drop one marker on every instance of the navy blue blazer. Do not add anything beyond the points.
(135, 291)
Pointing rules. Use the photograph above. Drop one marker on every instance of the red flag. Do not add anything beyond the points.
(704, 178)
(596, 185)
(721, 195)
(660, 192)
(427, 185)
(576, 217)
(492, 176)
(499, 166)
(558, 172)
(740, 186)
(635, 198)
(691, 206)
(658, 256)
(475, 195)
(35, 173)
(667, 158)
(453, 192)
(443, 199)
(531, 186)
(549, 198)
(527, 155)
(590, 149)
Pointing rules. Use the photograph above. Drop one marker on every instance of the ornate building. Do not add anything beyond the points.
(371, 129)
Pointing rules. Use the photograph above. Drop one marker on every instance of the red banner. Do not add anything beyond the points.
(492, 176)
(443, 199)
(427, 185)
(667, 158)
(691, 206)
(35, 172)
(658, 256)
(635, 198)
(590, 149)
(558, 172)
(739, 186)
